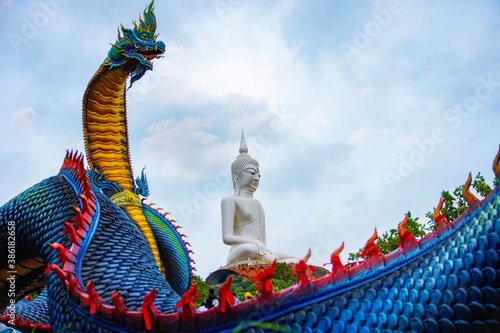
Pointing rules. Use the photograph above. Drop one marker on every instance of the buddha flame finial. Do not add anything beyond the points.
(240, 162)
(243, 144)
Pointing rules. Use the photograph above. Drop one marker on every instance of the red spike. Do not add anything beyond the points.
(85, 203)
(56, 269)
(308, 255)
(73, 285)
(371, 249)
(71, 231)
(468, 196)
(496, 164)
(186, 302)
(61, 251)
(439, 218)
(79, 219)
(149, 311)
(118, 303)
(94, 300)
(335, 260)
(406, 238)
(264, 286)
(226, 298)
(301, 270)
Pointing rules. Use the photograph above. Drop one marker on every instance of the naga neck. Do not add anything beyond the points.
(105, 126)
(106, 141)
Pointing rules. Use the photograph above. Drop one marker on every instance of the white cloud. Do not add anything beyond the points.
(184, 149)
(5, 3)
(24, 119)
(237, 76)
(366, 90)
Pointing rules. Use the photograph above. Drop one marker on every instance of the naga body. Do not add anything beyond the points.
(107, 262)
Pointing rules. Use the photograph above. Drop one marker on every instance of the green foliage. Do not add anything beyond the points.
(282, 277)
(240, 287)
(34, 294)
(202, 290)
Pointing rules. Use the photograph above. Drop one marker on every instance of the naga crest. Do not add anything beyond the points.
(138, 46)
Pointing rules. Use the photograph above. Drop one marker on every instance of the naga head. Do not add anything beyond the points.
(137, 47)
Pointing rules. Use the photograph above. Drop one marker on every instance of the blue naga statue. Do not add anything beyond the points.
(107, 262)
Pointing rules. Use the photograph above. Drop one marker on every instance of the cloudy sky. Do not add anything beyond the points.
(358, 111)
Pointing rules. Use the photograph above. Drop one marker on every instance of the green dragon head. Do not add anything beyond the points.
(137, 47)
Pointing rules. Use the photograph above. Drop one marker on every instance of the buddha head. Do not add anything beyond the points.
(244, 164)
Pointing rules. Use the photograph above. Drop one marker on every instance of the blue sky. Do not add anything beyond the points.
(357, 111)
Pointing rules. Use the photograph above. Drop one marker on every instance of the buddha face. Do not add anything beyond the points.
(249, 178)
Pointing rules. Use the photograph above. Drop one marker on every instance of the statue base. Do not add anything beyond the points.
(251, 268)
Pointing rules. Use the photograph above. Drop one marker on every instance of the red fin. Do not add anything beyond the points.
(468, 196)
(149, 311)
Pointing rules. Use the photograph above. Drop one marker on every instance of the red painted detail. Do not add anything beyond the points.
(371, 248)
(226, 298)
(78, 217)
(149, 311)
(468, 196)
(407, 242)
(301, 270)
(186, 302)
(85, 203)
(440, 220)
(71, 232)
(64, 255)
(496, 164)
(118, 303)
(265, 286)
(94, 300)
(335, 261)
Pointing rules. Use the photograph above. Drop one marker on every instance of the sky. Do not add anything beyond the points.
(357, 111)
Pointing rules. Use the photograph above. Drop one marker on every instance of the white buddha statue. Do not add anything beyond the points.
(243, 219)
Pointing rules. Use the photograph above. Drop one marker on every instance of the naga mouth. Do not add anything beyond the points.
(150, 50)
